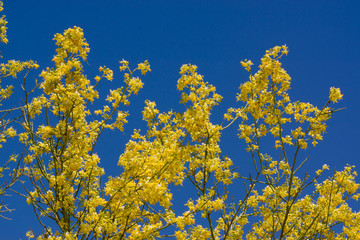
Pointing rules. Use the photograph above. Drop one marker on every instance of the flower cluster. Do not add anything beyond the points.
(3, 28)
(61, 158)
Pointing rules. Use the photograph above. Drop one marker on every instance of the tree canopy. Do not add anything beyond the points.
(59, 123)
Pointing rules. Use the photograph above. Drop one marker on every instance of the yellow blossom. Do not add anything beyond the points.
(335, 94)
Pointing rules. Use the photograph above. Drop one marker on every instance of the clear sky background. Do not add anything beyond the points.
(322, 36)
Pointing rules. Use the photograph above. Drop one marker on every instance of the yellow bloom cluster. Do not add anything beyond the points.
(335, 95)
(176, 146)
(285, 214)
(12, 67)
(61, 155)
(144, 67)
(269, 108)
(3, 28)
(70, 43)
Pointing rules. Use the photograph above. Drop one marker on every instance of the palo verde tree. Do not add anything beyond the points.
(72, 199)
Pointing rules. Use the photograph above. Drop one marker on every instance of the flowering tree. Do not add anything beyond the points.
(72, 199)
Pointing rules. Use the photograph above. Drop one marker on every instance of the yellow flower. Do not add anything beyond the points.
(124, 65)
(144, 67)
(246, 64)
(335, 94)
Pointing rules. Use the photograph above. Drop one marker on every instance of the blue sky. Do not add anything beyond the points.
(322, 36)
